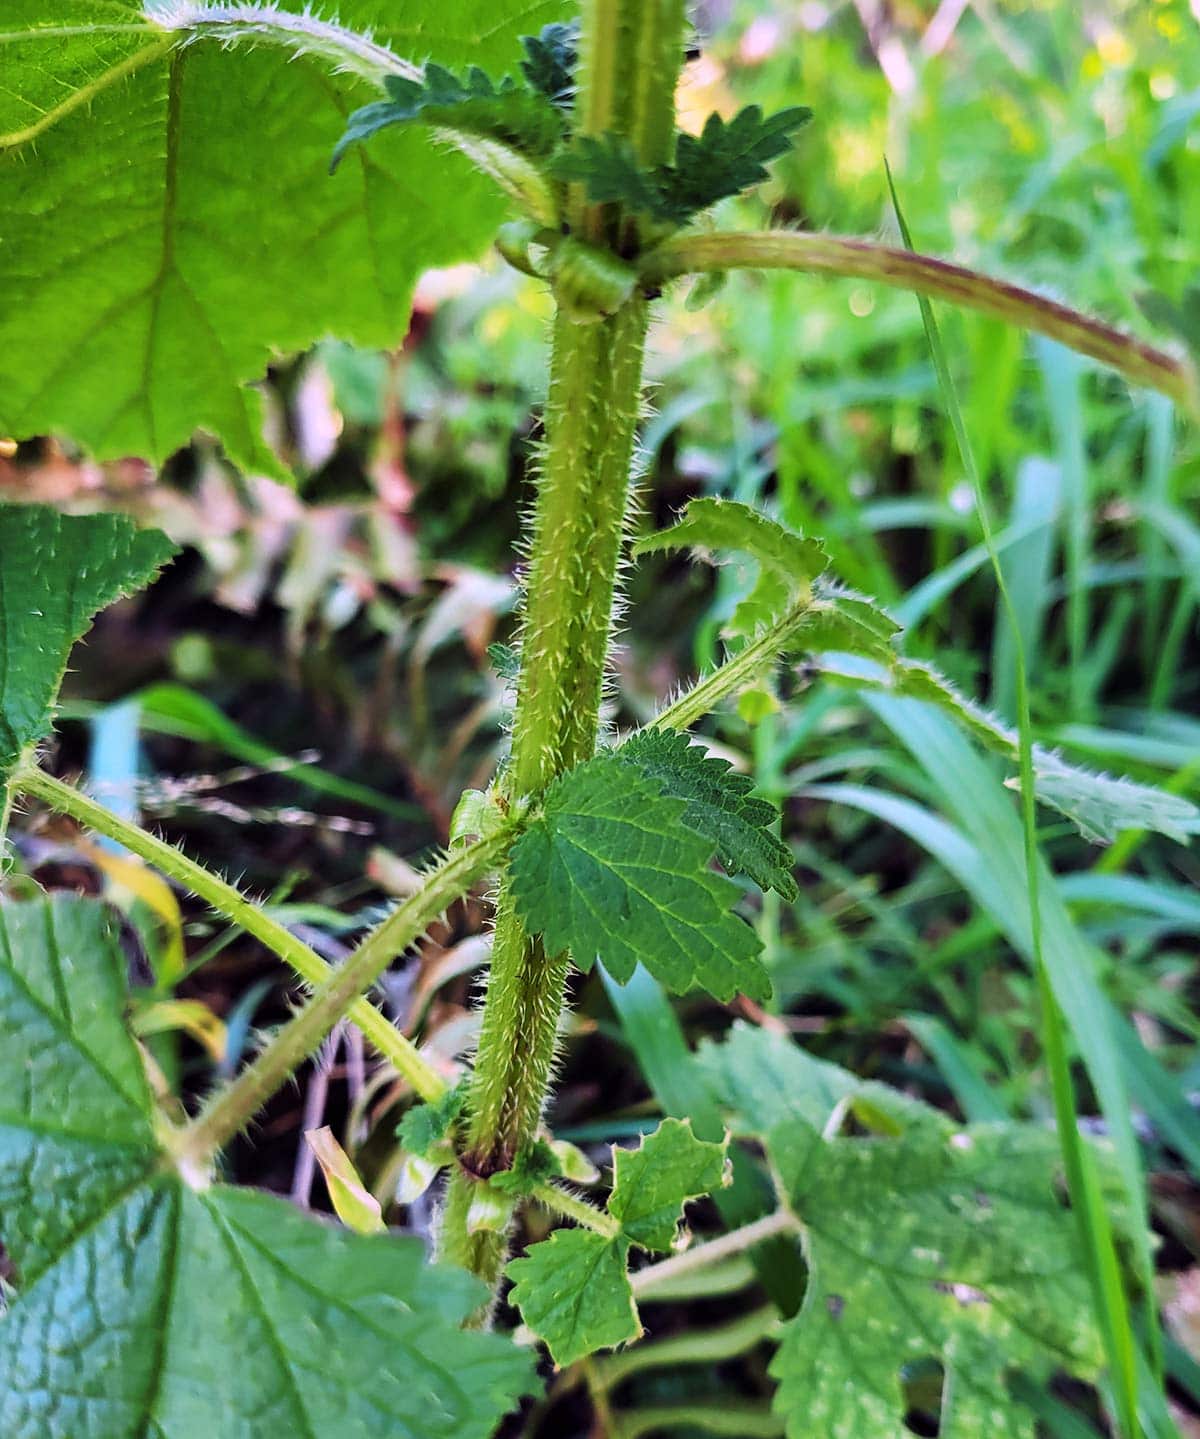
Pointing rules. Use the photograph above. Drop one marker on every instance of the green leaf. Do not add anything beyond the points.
(170, 226)
(788, 563)
(573, 1292)
(612, 871)
(58, 571)
(725, 159)
(426, 1127)
(928, 1243)
(573, 1289)
(502, 127)
(146, 1307)
(942, 1244)
(550, 60)
(730, 156)
(653, 1182)
(720, 804)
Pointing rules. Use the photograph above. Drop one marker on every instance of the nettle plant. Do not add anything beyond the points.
(169, 222)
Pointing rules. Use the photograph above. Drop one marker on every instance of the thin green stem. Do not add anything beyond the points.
(234, 905)
(578, 528)
(570, 1206)
(737, 1241)
(745, 667)
(693, 1346)
(232, 1108)
(902, 269)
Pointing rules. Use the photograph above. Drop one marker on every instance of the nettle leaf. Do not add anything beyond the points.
(475, 104)
(426, 1127)
(550, 61)
(652, 1183)
(573, 1289)
(59, 570)
(720, 804)
(729, 156)
(169, 222)
(932, 1243)
(1099, 805)
(612, 871)
(788, 563)
(146, 1307)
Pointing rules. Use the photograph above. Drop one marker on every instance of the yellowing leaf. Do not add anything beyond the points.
(353, 1202)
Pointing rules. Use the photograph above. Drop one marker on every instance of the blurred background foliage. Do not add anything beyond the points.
(303, 696)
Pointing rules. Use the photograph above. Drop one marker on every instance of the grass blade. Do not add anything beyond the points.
(1095, 1226)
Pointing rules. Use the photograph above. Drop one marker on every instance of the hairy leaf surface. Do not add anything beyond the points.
(720, 804)
(612, 872)
(928, 1243)
(58, 571)
(169, 222)
(145, 1307)
(573, 1289)
(573, 1292)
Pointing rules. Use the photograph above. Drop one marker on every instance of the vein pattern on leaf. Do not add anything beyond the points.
(57, 571)
(930, 1243)
(720, 804)
(612, 871)
(147, 1308)
(573, 1292)
(573, 1289)
(171, 228)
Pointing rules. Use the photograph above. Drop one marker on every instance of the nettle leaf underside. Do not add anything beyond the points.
(144, 1307)
(573, 1289)
(926, 1243)
(58, 571)
(613, 871)
(169, 222)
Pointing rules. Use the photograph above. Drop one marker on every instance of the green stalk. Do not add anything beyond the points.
(925, 275)
(232, 1108)
(577, 533)
(230, 902)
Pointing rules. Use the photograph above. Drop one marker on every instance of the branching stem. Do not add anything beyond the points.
(243, 912)
(232, 1108)
(900, 269)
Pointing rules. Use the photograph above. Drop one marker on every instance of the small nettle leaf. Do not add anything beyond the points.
(1098, 805)
(550, 61)
(652, 1183)
(788, 563)
(536, 1165)
(720, 804)
(612, 871)
(59, 570)
(131, 1284)
(573, 1291)
(935, 1243)
(475, 104)
(425, 1129)
(729, 156)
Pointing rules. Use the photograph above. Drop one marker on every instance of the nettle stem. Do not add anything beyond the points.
(630, 53)
(232, 1108)
(230, 902)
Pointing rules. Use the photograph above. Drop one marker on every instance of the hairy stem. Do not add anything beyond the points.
(737, 1241)
(1141, 364)
(570, 1206)
(304, 34)
(234, 905)
(745, 667)
(578, 527)
(232, 1108)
